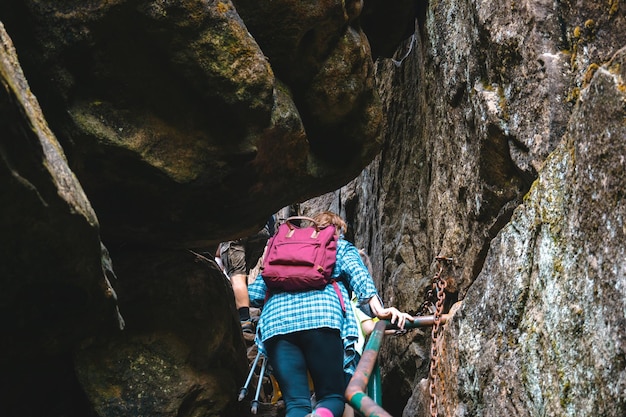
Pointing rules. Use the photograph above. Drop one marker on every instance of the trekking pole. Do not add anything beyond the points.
(255, 403)
(244, 390)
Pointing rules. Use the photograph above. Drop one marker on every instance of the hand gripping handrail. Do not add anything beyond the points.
(355, 392)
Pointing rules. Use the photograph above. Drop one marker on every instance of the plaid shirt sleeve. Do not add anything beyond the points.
(256, 292)
(350, 267)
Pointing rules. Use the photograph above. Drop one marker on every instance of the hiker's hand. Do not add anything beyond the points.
(391, 313)
(395, 316)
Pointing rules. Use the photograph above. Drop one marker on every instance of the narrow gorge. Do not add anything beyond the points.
(135, 135)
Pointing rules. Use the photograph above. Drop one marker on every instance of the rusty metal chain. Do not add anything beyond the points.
(438, 290)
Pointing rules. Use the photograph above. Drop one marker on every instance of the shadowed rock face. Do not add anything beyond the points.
(53, 266)
(127, 126)
(171, 104)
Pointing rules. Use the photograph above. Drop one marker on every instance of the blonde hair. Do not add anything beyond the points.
(326, 218)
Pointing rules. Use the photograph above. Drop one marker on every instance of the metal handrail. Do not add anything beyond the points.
(356, 390)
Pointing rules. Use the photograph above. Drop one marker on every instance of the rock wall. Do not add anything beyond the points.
(495, 107)
(541, 331)
(135, 135)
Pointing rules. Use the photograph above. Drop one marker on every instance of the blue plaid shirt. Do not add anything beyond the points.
(288, 312)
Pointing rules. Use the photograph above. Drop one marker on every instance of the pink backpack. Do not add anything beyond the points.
(301, 258)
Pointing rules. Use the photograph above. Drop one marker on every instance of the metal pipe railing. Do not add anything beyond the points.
(356, 390)
(425, 321)
(374, 386)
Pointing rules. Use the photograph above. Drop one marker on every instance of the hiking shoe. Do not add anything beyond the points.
(247, 327)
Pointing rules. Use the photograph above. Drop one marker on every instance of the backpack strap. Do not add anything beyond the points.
(289, 221)
(338, 291)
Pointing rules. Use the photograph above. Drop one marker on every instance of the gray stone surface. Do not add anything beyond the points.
(488, 94)
(541, 331)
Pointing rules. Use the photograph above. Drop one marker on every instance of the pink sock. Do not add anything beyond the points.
(323, 412)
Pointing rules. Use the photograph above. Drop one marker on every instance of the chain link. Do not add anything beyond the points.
(437, 289)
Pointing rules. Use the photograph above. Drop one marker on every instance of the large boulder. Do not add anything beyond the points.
(174, 105)
(135, 135)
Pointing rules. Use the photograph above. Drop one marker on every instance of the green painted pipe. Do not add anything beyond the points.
(355, 392)
(368, 367)
(375, 387)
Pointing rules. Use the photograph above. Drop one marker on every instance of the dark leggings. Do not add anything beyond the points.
(320, 351)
